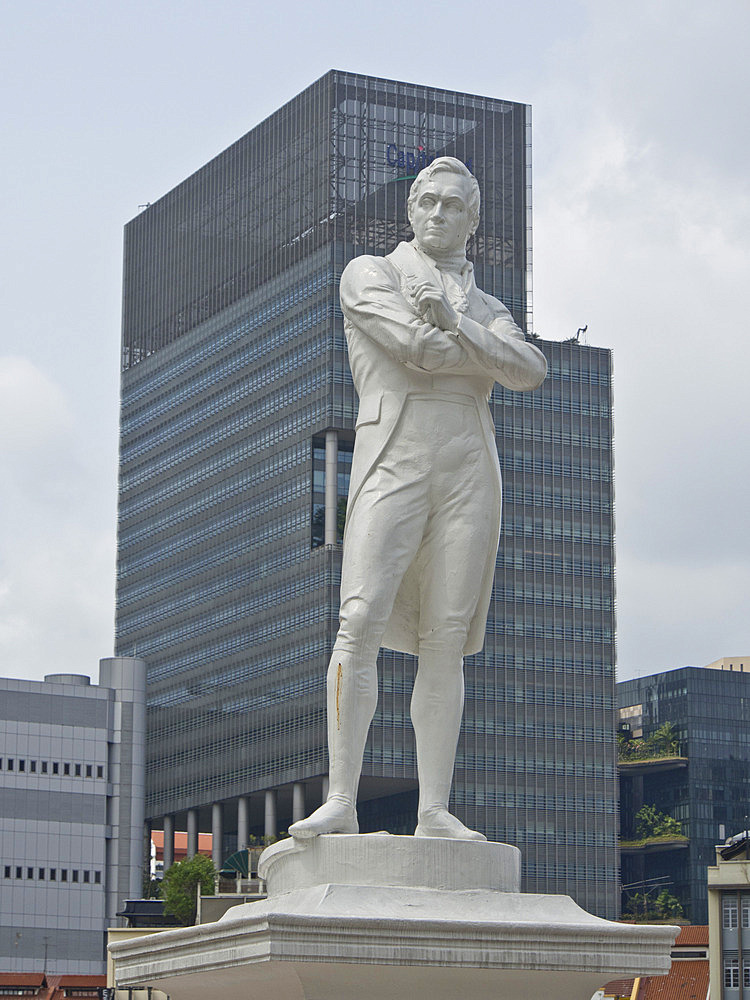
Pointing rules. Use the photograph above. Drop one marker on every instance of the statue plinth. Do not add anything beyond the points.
(378, 917)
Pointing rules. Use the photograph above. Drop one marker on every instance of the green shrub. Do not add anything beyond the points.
(180, 886)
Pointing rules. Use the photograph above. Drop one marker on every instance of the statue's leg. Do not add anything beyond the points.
(382, 538)
(460, 530)
(352, 696)
(436, 709)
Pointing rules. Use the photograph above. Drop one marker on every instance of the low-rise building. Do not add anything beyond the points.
(688, 978)
(72, 778)
(40, 986)
(729, 919)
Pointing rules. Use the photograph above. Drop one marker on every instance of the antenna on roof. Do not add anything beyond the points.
(576, 338)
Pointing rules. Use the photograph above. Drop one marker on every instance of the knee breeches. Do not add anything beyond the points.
(429, 504)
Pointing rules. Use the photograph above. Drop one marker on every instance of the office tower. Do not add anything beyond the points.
(703, 780)
(72, 778)
(237, 427)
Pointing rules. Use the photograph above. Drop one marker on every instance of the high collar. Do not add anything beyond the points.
(456, 262)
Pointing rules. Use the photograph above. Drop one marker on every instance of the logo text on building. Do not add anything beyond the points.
(413, 161)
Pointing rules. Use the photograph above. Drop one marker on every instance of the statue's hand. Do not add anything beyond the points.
(435, 308)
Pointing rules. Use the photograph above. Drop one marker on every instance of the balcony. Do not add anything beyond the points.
(651, 764)
(654, 845)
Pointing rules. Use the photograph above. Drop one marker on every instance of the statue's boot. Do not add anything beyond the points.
(352, 695)
(436, 708)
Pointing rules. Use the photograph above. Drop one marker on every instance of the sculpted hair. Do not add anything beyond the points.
(448, 164)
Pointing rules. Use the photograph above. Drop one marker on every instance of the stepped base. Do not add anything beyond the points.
(400, 928)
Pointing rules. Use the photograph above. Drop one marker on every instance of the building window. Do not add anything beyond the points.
(98, 878)
(99, 771)
(86, 876)
(89, 771)
(29, 873)
(746, 974)
(19, 871)
(731, 973)
(78, 770)
(55, 767)
(7, 871)
(66, 768)
(75, 874)
(729, 914)
(22, 765)
(41, 873)
(44, 767)
(10, 763)
(745, 905)
(53, 874)
(32, 766)
(63, 874)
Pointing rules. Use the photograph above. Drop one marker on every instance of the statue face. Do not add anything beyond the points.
(440, 216)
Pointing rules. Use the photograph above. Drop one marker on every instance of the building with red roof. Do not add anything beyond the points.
(50, 987)
(688, 979)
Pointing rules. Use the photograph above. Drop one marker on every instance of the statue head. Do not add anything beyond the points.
(443, 206)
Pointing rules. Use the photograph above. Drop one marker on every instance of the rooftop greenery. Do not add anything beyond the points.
(663, 742)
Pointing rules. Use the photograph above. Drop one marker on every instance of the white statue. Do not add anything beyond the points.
(423, 520)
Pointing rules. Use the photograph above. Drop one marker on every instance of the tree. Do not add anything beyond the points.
(625, 745)
(668, 906)
(649, 822)
(642, 908)
(665, 740)
(180, 886)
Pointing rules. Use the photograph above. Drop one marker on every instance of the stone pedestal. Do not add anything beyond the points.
(376, 917)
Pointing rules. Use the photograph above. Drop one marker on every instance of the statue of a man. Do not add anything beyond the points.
(423, 520)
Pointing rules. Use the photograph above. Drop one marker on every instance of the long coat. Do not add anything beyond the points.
(394, 352)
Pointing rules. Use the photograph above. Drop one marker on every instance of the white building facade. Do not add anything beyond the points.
(72, 778)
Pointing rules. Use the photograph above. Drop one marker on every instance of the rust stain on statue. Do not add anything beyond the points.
(339, 675)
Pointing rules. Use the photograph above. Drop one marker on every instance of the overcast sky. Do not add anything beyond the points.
(641, 230)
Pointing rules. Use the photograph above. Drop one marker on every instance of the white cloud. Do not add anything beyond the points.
(33, 410)
(642, 230)
(681, 614)
(56, 548)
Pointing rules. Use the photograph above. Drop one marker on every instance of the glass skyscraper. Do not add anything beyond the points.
(238, 413)
(706, 788)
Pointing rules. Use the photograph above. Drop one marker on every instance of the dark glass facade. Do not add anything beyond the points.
(234, 369)
(710, 709)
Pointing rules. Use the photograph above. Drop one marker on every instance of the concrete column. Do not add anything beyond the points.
(243, 822)
(332, 478)
(325, 788)
(125, 677)
(168, 842)
(298, 801)
(147, 846)
(270, 829)
(217, 833)
(192, 832)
